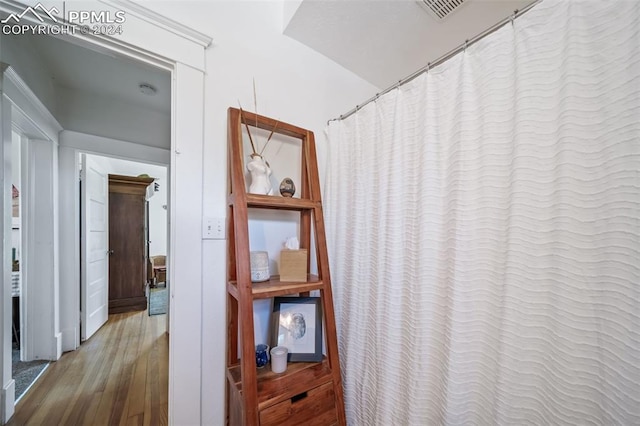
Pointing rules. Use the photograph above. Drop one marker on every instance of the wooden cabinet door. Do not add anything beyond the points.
(127, 245)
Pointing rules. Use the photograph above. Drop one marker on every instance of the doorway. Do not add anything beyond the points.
(151, 212)
(49, 300)
(180, 51)
(24, 372)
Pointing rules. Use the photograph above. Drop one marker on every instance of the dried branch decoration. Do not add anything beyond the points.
(253, 147)
(255, 104)
(255, 101)
(269, 138)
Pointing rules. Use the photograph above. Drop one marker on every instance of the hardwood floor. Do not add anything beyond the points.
(118, 377)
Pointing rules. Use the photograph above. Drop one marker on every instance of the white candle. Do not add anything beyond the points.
(279, 359)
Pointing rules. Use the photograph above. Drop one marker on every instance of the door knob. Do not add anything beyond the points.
(110, 252)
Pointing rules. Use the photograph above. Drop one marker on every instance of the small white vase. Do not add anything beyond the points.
(260, 173)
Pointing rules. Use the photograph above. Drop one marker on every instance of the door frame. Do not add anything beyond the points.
(160, 41)
(72, 145)
(21, 109)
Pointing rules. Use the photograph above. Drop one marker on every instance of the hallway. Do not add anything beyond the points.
(119, 376)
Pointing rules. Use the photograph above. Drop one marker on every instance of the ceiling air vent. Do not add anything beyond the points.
(440, 9)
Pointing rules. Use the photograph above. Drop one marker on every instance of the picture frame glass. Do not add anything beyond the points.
(297, 324)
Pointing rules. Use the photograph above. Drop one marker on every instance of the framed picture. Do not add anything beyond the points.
(296, 322)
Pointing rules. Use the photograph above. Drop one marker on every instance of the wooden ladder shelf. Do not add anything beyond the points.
(307, 393)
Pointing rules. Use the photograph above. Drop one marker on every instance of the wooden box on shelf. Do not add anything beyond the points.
(293, 265)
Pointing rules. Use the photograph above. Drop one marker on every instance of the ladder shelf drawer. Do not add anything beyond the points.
(274, 388)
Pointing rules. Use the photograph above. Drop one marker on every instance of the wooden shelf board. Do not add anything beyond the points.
(273, 388)
(278, 203)
(274, 287)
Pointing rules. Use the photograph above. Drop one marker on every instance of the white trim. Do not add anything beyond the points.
(99, 145)
(26, 91)
(113, 48)
(33, 114)
(185, 253)
(38, 265)
(26, 126)
(161, 21)
(161, 37)
(57, 346)
(8, 398)
(69, 246)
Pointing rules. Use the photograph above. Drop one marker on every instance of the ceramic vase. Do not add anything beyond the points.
(262, 355)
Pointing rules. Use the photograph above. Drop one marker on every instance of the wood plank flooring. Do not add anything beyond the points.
(118, 377)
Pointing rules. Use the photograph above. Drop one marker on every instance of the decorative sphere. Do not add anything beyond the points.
(287, 187)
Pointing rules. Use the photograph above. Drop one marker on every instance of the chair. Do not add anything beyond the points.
(159, 264)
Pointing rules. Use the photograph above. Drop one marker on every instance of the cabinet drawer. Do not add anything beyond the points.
(314, 407)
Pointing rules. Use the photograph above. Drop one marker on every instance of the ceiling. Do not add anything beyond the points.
(79, 68)
(383, 41)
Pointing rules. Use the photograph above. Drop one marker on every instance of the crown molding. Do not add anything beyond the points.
(25, 99)
(162, 21)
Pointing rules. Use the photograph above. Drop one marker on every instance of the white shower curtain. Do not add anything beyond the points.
(484, 231)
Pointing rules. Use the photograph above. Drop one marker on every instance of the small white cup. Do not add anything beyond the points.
(279, 359)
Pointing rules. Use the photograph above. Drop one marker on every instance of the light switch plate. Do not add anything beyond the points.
(213, 228)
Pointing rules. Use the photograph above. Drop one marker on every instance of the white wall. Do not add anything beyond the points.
(293, 84)
(86, 112)
(158, 219)
(157, 203)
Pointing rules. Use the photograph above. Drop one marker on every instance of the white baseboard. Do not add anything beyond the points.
(58, 346)
(8, 401)
(70, 339)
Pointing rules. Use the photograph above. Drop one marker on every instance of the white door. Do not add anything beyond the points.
(94, 247)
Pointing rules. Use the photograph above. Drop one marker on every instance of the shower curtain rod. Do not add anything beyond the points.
(516, 13)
